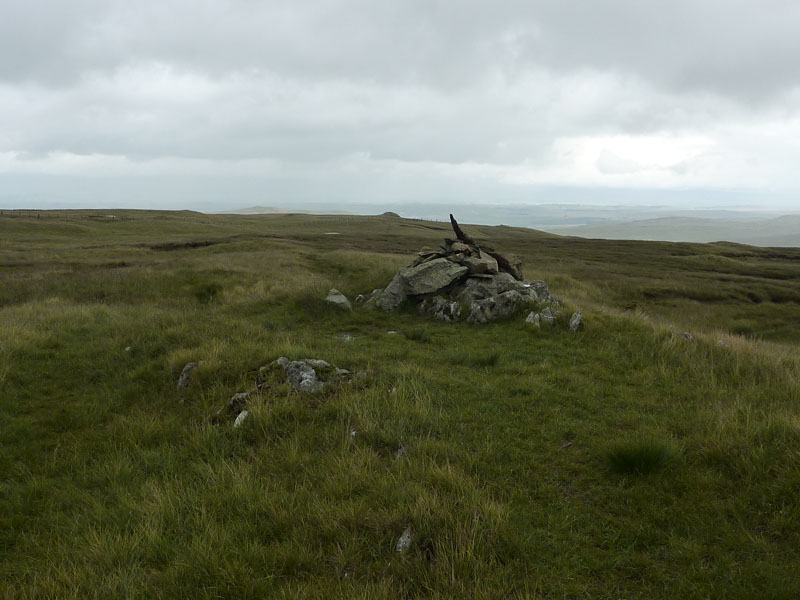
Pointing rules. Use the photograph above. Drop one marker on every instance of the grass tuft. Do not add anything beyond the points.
(640, 457)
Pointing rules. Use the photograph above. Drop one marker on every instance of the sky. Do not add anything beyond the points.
(216, 104)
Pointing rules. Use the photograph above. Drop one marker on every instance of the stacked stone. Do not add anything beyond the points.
(461, 280)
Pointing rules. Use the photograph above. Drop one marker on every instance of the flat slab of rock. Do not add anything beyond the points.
(431, 276)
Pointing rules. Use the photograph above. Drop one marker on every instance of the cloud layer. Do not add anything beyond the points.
(421, 96)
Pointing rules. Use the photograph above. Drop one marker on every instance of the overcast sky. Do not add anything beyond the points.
(237, 102)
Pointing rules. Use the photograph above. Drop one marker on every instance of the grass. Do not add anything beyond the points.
(112, 487)
(640, 457)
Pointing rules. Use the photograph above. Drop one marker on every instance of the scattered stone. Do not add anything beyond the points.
(534, 319)
(687, 335)
(576, 321)
(338, 299)
(345, 337)
(305, 375)
(400, 452)
(404, 543)
(392, 332)
(128, 349)
(302, 376)
(240, 418)
(722, 343)
(183, 380)
(353, 435)
(548, 316)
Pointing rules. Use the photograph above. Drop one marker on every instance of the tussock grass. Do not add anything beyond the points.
(640, 457)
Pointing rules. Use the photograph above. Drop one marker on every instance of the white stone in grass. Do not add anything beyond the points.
(240, 419)
(128, 349)
(404, 543)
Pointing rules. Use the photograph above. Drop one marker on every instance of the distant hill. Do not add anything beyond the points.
(271, 210)
(778, 231)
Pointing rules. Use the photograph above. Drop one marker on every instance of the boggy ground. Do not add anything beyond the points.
(622, 461)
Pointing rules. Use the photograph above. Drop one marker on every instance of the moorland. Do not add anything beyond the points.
(653, 454)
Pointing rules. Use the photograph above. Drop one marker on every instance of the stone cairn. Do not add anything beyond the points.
(462, 280)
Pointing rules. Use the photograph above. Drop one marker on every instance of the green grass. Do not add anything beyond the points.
(113, 488)
(640, 457)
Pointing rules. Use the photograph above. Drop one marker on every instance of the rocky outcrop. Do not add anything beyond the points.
(461, 280)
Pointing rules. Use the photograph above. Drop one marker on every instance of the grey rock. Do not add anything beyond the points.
(316, 363)
(534, 319)
(496, 307)
(441, 309)
(475, 288)
(392, 332)
(345, 337)
(370, 301)
(394, 294)
(484, 264)
(186, 373)
(128, 349)
(338, 299)
(302, 377)
(548, 316)
(400, 452)
(688, 336)
(431, 276)
(576, 321)
(240, 418)
(404, 543)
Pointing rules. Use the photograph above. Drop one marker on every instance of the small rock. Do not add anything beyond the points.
(687, 335)
(338, 299)
(353, 435)
(722, 343)
(240, 419)
(302, 376)
(576, 321)
(342, 372)
(128, 349)
(345, 337)
(534, 319)
(238, 402)
(404, 543)
(548, 316)
(392, 332)
(360, 299)
(183, 380)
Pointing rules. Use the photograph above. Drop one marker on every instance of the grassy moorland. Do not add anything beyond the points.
(624, 461)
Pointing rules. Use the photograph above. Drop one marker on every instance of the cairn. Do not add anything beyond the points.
(462, 279)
